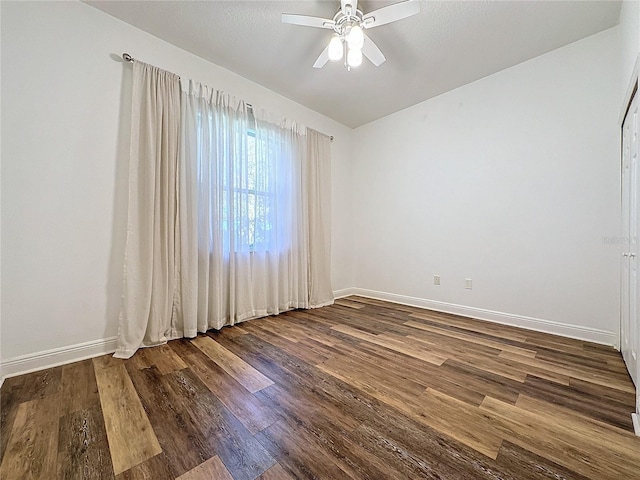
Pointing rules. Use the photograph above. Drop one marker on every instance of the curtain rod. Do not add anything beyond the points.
(128, 58)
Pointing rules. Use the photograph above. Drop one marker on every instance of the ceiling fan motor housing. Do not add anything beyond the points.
(343, 23)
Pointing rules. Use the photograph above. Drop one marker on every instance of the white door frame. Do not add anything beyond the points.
(633, 87)
(628, 244)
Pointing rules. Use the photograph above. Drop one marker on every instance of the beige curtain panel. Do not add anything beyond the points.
(229, 213)
(151, 250)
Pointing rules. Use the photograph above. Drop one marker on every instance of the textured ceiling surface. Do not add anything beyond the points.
(446, 45)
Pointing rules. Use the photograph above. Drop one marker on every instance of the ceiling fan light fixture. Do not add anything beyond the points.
(354, 57)
(335, 49)
(348, 24)
(355, 38)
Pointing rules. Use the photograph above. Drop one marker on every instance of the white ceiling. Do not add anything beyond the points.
(448, 44)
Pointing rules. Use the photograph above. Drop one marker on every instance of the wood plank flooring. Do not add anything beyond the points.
(362, 389)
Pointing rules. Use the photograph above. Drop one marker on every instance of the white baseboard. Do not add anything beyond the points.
(345, 292)
(540, 325)
(81, 351)
(636, 424)
(56, 356)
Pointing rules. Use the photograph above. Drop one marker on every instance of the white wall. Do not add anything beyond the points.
(630, 39)
(512, 181)
(65, 135)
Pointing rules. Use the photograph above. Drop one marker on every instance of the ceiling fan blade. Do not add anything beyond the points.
(323, 58)
(307, 21)
(391, 13)
(372, 52)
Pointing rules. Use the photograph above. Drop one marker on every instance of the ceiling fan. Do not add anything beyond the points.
(349, 40)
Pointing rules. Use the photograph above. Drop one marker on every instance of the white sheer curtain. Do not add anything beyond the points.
(234, 226)
(254, 179)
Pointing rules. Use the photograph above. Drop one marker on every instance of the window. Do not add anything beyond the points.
(252, 196)
(240, 175)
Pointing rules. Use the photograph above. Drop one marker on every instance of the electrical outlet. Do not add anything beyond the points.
(468, 283)
(436, 279)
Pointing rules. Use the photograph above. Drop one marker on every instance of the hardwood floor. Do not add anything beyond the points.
(360, 389)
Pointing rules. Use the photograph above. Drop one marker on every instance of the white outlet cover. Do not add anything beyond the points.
(468, 283)
(436, 279)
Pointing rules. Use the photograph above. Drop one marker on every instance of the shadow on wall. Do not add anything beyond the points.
(120, 199)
